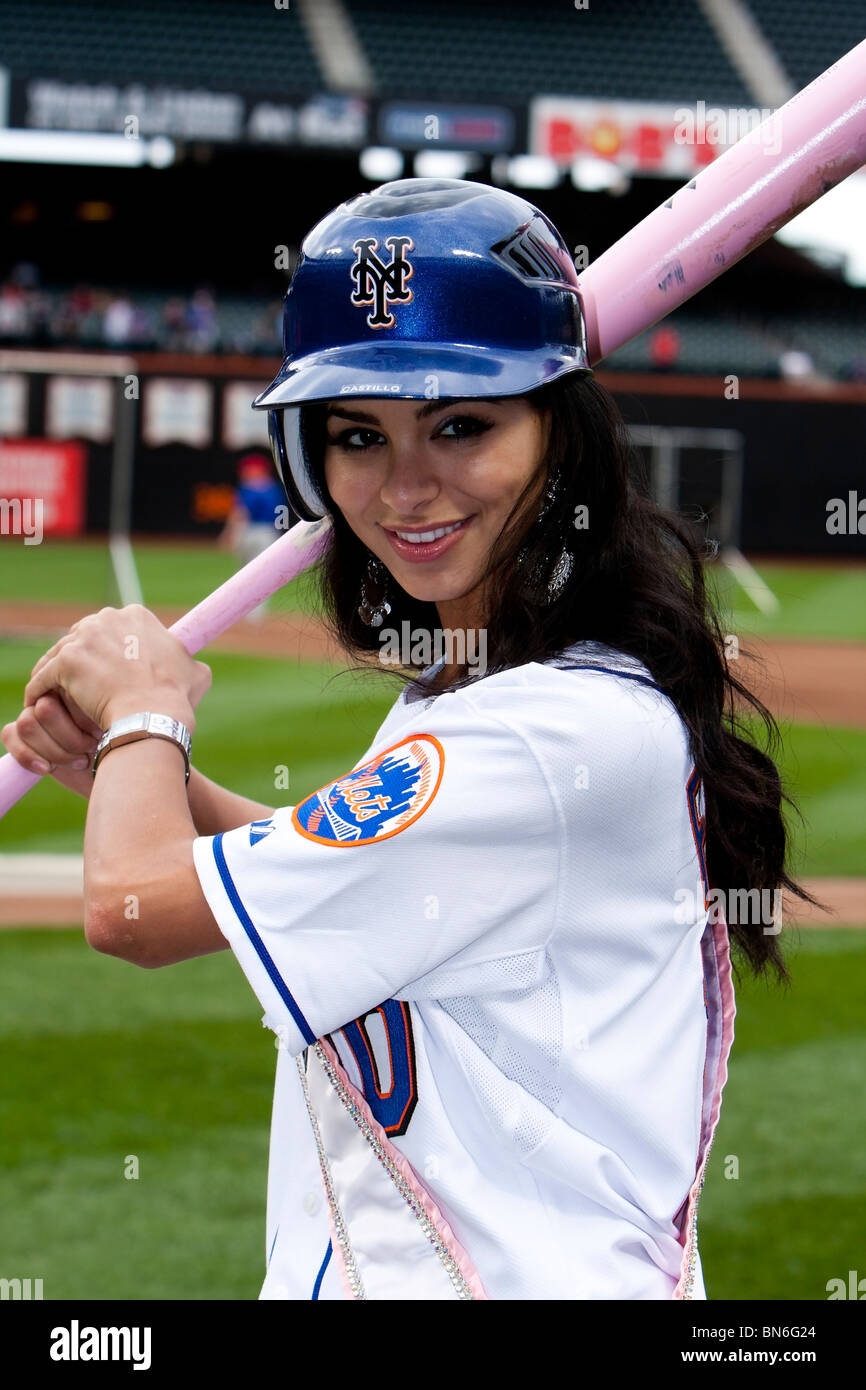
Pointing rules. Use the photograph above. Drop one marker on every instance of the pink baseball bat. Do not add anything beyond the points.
(800, 152)
(284, 560)
(808, 146)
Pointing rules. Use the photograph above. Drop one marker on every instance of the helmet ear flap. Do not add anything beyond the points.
(293, 464)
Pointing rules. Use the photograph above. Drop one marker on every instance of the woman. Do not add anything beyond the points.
(499, 986)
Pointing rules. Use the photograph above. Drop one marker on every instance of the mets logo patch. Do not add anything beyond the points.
(379, 283)
(378, 799)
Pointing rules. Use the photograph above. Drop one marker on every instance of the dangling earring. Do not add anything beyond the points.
(561, 571)
(553, 489)
(560, 574)
(373, 611)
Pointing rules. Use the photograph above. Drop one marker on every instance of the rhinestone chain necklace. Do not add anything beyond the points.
(340, 1227)
(416, 1206)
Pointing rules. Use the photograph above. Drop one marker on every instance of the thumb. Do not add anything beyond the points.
(84, 722)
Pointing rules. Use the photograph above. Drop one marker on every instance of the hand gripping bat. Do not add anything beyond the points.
(717, 218)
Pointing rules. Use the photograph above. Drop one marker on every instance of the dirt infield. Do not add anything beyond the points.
(812, 682)
(817, 682)
(291, 636)
(845, 899)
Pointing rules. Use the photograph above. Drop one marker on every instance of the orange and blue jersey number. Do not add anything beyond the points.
(393, 1105)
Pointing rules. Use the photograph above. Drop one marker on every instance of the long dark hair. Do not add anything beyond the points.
(637, 585)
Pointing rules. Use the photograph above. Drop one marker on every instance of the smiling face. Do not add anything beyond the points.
(428, 486)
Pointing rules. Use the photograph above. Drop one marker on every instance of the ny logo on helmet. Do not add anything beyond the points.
(378, 284)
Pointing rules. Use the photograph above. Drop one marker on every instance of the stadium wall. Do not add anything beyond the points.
(795, 439)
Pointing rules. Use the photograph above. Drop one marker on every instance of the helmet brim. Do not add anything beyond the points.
(396, 370)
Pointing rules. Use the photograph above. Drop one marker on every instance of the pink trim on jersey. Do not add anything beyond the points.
(444, 1231)
(338, 1256)
(721, 1010)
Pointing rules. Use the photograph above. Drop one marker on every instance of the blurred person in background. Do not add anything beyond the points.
(796, 365)
(259, 513)
(173, 326)
(202, 324)
(142, 331)
(71, 314)
(90, 329)
(14, 314)
(118, 322)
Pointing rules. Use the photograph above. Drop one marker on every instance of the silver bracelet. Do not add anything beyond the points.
(144, 725)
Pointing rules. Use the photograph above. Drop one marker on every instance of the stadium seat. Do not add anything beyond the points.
(809, 38)
(205, 43)
(479, 50)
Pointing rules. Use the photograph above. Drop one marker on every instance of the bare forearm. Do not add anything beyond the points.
(213, 808)
(138, 825)
(142, 897)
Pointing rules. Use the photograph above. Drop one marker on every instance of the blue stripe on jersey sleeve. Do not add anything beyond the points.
(321, 1274)
(261, 950)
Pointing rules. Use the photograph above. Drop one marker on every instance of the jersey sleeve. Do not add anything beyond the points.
(437, 853)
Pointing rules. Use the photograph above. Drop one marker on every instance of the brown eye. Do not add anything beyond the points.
(466, 426)
(345, 440)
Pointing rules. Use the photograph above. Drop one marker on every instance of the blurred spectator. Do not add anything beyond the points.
(202, 323)
(143, 319)
(71, 313)
(664, 348)
(796, 365)
(173, 334)
(40, 319)
(90, 327)
(258, 515)
(142, 328)
(117, 325)
(14, 313)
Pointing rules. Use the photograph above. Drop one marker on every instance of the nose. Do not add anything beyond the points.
(410, 482)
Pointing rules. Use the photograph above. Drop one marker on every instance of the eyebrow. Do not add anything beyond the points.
(361, 416)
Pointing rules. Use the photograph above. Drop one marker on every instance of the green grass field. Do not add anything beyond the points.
(316, 721)
(103, 1062)
(815, 601)
(259, 715)
(794, 1216)
(80, 572)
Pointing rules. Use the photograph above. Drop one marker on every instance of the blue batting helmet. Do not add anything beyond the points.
(421, 288)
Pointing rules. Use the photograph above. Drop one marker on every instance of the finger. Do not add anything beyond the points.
(204, 680)
(84, 721)
(29, 739)
(49, 678)
(64, 739)
(51, 653)
(31, 747)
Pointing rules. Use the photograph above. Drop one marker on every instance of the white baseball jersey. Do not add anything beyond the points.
(503, 1016)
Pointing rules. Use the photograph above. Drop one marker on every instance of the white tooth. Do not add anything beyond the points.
(424, 537)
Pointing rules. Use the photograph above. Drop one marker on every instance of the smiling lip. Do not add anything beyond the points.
(426, 550)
